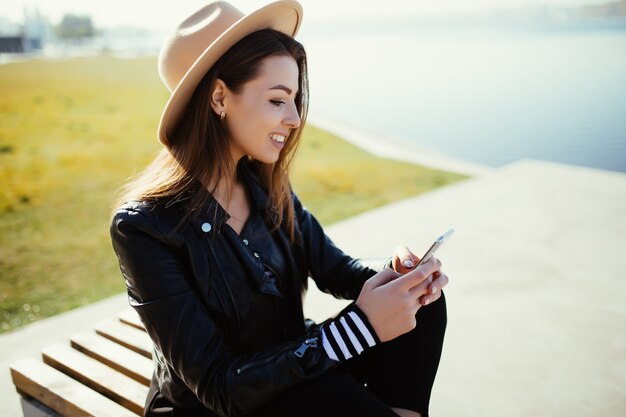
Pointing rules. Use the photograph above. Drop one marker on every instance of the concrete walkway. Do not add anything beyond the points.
(536, 300)
(536, 306)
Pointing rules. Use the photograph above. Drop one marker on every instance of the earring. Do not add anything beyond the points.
(222, 115)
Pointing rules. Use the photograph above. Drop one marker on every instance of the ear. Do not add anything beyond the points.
(218, 94)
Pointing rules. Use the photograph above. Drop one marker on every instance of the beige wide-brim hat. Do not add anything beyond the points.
(202, 38)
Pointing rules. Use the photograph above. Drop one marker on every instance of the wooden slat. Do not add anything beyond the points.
(61, 393)
(123, 390)
(124, 360)
(125, 335)
(130, 317)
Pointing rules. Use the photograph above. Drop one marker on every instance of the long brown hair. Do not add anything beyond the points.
(199, 151)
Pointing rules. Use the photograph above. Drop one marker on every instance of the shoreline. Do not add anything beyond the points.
(397, 149)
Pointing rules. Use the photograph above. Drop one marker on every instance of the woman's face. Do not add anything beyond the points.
(261, 116)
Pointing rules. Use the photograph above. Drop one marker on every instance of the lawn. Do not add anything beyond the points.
(72, 132)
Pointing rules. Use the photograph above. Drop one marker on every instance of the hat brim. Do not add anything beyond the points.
(284, 16)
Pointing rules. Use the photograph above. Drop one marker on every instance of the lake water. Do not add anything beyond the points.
(485, 94)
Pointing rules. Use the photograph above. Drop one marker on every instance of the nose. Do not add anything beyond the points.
(292, 118)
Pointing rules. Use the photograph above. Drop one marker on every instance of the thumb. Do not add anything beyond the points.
(403, 259)
(383, 277)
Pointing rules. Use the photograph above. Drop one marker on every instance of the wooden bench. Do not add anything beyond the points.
(105, 372)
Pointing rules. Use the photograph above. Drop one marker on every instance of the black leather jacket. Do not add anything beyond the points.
(227, 335)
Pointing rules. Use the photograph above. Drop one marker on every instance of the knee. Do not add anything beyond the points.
(434, 314)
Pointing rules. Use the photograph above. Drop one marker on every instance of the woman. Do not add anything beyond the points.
(216, 249)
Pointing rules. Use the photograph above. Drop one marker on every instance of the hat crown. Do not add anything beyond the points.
(191, 37)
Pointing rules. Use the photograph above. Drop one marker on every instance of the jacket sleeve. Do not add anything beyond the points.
(333, 271)
(189, 339)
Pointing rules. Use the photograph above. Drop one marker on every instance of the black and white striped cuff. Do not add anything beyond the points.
(348, 335)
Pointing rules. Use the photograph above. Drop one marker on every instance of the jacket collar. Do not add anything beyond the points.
(214, 217)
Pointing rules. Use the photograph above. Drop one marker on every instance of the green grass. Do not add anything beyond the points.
(336, 180)
(72, 132)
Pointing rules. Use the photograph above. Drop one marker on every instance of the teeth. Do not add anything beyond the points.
(278, 138)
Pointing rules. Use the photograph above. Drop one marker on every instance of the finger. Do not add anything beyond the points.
(403, 259)
(429, 298)
(419, 274)
(431, 285)
(440, 280)
(382, 278)
(423, 288)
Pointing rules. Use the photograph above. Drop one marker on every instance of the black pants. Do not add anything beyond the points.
(399, 373)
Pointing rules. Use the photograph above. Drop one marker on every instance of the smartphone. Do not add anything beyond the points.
(431, 251)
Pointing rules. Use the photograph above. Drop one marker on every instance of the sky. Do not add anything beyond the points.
(144, 13)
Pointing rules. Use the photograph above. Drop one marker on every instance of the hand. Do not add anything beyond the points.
(390, 300)
(403, 262)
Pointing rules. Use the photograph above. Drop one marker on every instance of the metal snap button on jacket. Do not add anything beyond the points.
(206, 227)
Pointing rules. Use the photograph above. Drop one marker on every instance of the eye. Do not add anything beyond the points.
(277, 103)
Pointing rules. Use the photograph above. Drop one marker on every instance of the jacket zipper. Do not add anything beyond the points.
(308, 343)
(252, 364)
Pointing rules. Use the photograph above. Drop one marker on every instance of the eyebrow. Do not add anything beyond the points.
(281, 87)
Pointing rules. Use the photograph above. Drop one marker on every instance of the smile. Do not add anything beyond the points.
(278, 138)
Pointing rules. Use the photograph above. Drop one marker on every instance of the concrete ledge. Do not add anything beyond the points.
(397, 148)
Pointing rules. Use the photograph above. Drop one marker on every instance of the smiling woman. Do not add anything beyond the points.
(235, 111)
(216, 249)
(260, 116)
